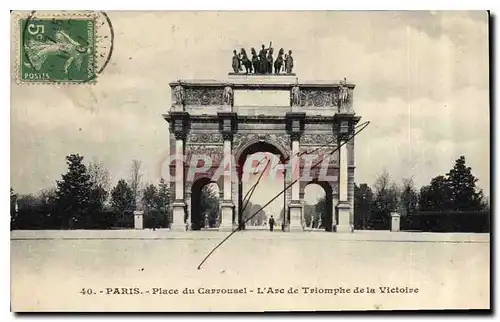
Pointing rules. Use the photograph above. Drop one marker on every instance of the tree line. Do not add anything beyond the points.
(450, 196)
(84, 199)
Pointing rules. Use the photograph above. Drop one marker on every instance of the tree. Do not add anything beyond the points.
(385, 199)
(209, 204)
(150, 197)
(99, 179)
(485, 204)
(73, 192)
(163, 196)
(13, 209)
(320, 212)
(363, 199)
(122, 197)
(253, 215)
(163, 200)
(13, 202)
(135, 181)
(409, 198)
(99, 175)
(455, 191)
(436, 196)
(464, 194)
(36, 211)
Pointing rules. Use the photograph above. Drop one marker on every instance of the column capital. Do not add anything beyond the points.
(295, 124)
(295, 136)
(344, 125)
(179, 123)
(227, 124)
(227, 136)
(180, 135)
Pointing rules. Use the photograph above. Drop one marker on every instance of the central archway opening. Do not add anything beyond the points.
(258, 184)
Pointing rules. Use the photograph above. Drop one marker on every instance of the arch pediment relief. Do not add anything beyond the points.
(242, 141)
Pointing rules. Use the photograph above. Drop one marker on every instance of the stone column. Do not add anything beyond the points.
(344, 129)
(228, 121)
(288, 196)
(295, 204)
(335, 201)
(301, 200)
(227, 206)
(344, 224)
(188, 209)
(295, 125)
(179, 207)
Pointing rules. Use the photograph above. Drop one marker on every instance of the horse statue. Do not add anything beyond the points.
(255, 60)
(279, 61)
(245, 61)
(269, 58)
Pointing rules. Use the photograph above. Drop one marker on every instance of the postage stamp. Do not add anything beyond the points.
(62, 47)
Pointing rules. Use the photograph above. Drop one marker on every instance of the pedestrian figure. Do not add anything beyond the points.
(271, 223)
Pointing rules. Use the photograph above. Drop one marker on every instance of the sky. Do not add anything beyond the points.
(421, 80)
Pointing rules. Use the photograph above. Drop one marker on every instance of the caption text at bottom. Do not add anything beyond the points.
(246, 290)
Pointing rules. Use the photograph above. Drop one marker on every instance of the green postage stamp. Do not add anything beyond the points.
(61, 48)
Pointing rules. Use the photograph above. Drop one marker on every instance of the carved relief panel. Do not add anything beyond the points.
(204, 138)
(216, 153)
(204, 96)
(239, 139)
(317, 98)
(326, 139)
(320, 155)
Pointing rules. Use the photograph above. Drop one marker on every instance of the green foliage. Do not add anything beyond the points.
(122, 197)
(259, 215)
(36, 211)
(13, 203)
(385, 200)
(163, 196)
(74, 193)
(409, 198)
(314, 215)
(150, 197)
(436, 196)
(135, 182)
(99, 180)
(320, 213)
(363, 199)
(455, 191)
(209, 204)
(464, 194)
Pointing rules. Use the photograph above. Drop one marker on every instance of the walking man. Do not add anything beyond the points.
(271, 223)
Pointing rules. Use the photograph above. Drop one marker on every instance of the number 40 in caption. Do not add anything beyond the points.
(107, 291)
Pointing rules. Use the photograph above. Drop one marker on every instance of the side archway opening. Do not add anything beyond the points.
(205, 204)
(318, 206)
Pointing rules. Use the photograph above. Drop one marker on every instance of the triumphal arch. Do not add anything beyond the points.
(228, 120)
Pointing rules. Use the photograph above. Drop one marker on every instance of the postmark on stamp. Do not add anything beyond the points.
(63, 47)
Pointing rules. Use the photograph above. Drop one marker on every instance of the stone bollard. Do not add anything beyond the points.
(138, 219)
(395, 221)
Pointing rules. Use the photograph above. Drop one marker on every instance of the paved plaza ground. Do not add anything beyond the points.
(50, 268)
